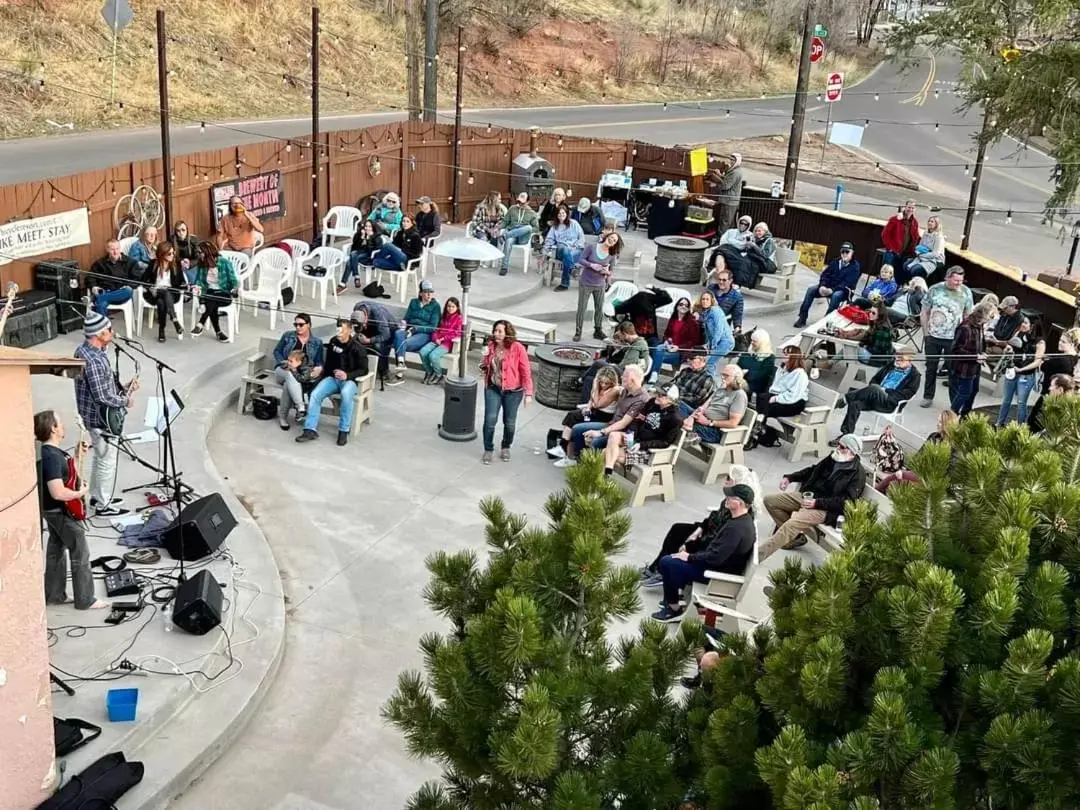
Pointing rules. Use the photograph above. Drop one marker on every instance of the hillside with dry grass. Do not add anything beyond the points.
(251, 58)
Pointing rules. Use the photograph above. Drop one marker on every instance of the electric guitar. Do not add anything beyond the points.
(113, 416)
(74, 479)
(9, 307)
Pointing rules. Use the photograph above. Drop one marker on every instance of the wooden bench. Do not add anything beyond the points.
(656, 478)
(778, 287)
(260, 378)
(720, 457)
(528, 330)
(808, 431)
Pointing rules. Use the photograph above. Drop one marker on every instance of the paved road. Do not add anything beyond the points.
(904, 132)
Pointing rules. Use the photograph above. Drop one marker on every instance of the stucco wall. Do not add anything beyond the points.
(27, 764)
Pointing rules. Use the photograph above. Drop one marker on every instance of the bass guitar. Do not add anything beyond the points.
(74, 479)
(9, 307)
(113, 417)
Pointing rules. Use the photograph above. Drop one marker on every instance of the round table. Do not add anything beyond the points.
(559, 368)
(679, 259)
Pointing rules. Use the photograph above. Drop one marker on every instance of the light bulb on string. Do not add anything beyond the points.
(937, 93)
(471, 179)
(727, 113)
(202, 128)
(288, 147)
(877, 97)
(671, 203)
(867, 123)
(783, 211)
(817, 97)
(937, 126)
(52, 196)
(966, 169)
(205, 176)
(665, 105)
(877, 167)
(1008, 217)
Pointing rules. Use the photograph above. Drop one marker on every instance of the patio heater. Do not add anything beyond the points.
(459, 393)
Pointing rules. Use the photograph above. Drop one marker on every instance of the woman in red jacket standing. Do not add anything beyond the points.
(683, 332)
(507, 381)
(900, 236)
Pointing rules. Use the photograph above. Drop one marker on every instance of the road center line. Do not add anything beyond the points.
(1012, 178)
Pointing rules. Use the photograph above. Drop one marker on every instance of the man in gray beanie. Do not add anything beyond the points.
(96, 390)
(824, 489)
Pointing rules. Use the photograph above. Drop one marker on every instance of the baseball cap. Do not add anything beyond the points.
(671, 392)
(423, 200)
(426, 286)
(742, 492)
(847, 246)
(851, 442)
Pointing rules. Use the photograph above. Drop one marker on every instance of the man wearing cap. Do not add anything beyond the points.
(695, 383)
(944, 307)
(373, 328)
(723, 411)
(837, 281)
(518, 225)
(1004, 328)
(655, 427)
(891, 385)
(727, 552)
(416, 328)
(826, 487)
(727, 184)
(588, 216)
(96, 389)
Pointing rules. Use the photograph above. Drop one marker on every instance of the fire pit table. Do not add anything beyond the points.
(679, 259)
(559, 368)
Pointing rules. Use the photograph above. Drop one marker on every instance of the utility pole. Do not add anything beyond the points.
(976, 178)
(457, 119)
(431, 59)
(315, 219)
(798, 111)
(163, 106)
(412, 59)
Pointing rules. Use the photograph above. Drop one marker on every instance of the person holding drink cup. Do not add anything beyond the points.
(237, 229)
(825, 488)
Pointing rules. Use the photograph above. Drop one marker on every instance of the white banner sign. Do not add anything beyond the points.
(47, 234)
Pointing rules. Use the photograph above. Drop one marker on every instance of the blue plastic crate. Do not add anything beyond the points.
(120, 704)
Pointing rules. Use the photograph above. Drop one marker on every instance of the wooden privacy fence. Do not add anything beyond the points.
(413, 158)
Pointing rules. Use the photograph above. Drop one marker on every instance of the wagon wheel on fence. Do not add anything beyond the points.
(128, 227)
(151, 206)
(641, 210)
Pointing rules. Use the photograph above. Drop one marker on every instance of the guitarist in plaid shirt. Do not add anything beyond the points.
(96, 388)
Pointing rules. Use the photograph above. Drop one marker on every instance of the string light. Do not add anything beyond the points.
(936, 93)
(877, 97)
(966, 169)
(288, 147)
(471, 179)
(1008, 217)
(202, 128)
(783, 211)
(937, 126)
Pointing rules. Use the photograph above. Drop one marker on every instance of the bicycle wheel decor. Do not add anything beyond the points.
(142, 208)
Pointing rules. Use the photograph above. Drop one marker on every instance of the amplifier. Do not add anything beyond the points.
(62, 277)
(30, 300)
(31, 327)
(121, 583)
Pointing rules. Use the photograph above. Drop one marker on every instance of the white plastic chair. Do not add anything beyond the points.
(345, 219)
(400, 278)
(260, 240)
(432, 260)
(300, 251)
(241, 264)
(148, 312)
(618, 291)
(668, 310)
(126, 243)
(274, 267)
(333, 259)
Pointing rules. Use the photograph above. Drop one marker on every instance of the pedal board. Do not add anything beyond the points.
(121, 583)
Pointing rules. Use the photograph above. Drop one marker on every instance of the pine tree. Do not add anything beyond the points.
(528, 702)
(933, 662)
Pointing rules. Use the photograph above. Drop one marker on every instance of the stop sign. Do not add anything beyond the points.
(817, 49)
(834, 87)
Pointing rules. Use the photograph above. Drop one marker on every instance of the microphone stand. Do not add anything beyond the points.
(169, 475)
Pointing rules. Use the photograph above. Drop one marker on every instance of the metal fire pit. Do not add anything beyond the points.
(679, 259)
(558, 374)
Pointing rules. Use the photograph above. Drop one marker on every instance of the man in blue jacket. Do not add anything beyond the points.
(838, 280)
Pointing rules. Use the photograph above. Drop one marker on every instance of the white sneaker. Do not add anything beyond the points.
(556, 452)
(565, 462)
(653, 378)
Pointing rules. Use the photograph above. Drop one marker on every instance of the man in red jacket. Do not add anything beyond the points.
(900, 236)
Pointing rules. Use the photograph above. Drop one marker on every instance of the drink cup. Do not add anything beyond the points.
(629, 439)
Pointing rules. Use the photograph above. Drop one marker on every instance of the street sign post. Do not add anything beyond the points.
(834, 87)
(821, 31)
(118, 16)
(817, 49)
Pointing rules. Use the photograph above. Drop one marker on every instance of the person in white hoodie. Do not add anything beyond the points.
(787, 396)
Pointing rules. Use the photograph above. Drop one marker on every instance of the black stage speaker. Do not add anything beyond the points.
(197, 605)
(204, 525)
